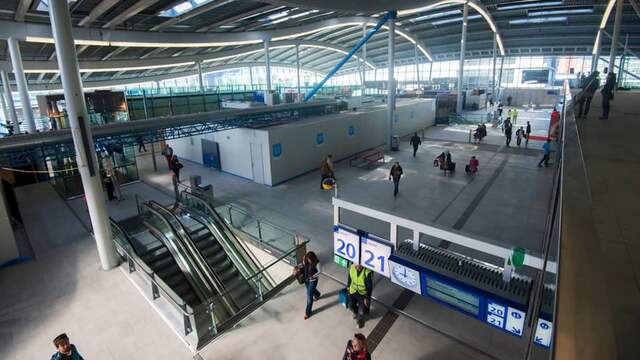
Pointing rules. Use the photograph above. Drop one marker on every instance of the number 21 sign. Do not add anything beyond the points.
(346, 244)
(375, 254)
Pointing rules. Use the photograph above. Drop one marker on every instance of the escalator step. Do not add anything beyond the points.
(154, 255)
(162, 262)
(173, 279)
(168, 270)
(152, 250)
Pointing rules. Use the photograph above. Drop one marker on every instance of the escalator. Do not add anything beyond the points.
(189, 250)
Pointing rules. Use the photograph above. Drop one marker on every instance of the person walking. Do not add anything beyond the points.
(395, 174)
(359, 287)
(514, 116)
(114, 177)
(607, 94)
(141, 147)
(527, 134)
(311, 268)
(64, 349)
(108, 183)
(415, 141)
(168, 154)
(519, 135)
(176, 166)
(357, 348)
(500, 108)
(547, 153)
(508, 132)
(587, 95)
(326, 170)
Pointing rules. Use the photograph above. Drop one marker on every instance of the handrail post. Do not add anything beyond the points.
(259, 283)
(259, 229)
(212, 316)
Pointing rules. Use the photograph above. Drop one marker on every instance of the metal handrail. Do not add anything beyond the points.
(204, 306)
(192, 271)
(208, 274)
(127, 249)
(213, 230)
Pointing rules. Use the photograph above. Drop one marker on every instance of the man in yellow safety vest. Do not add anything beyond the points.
(359, 286)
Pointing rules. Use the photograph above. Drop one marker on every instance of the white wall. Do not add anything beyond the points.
(522, 97)
(301, 154)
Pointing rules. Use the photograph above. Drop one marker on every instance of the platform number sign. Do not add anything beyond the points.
(504, 317)
(544, 331)
(346, 244)
(375, 254)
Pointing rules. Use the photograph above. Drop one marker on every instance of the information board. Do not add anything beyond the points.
(375, 254)
(505, 317)
(405, 276)
(544, 330)
(346, 244)
(451, 294)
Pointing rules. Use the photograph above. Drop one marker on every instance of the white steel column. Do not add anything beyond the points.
(391, 83)
(493, 60)
(267, 71)
(81, 131)
(8, 97)
(596, 56)
(623, 60)
(463, 48)
(200, 80)
(5, 111)
(616, 35)
(21, 84)
(299, 95)
(430, 70)
(364, 61)
(251, 76)
(415, 59)
(500, 73)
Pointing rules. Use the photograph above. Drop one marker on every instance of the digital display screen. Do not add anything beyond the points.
(452, 295)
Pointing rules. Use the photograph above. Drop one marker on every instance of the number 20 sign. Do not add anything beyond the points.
(375, 254)
(346, 244)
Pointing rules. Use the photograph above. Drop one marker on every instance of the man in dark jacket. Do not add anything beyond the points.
(607, 94)
(65, 350)
(415, 141)
(395, 174)
(587, 95)
(359, 287)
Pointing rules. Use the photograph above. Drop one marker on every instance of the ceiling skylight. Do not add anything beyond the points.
(560, 12)
(538, 20)
(434, 16)
(529, 5)
(184, 7)
(453, 20)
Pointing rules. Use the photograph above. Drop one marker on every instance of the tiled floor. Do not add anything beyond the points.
(611, 155)
(63, 290)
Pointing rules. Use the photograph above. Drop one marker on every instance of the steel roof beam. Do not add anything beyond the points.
(128, 13)
(191, 14)
(21, 10)
(260, 10)
(96, 12)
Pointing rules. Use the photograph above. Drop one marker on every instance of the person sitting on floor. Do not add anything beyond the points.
(472, 167)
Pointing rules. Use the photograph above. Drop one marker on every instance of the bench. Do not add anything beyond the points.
(366, 158)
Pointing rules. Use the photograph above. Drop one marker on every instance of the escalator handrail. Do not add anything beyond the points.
(262, 271)
(207, 273)
(128, 249)
(235, 251)
(190, 270)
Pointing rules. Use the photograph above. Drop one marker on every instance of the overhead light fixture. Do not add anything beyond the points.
(434, 16)
(538, 20)
(84, 69)
(529, 5)
(454, 20)
(560, 12)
